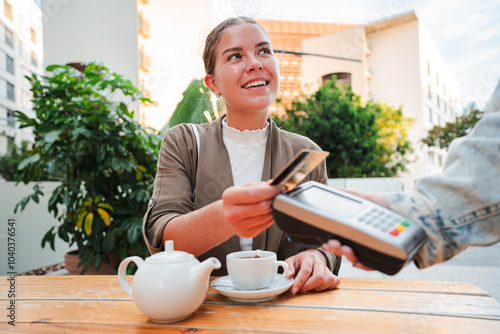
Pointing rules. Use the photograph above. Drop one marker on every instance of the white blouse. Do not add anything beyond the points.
(246, 151)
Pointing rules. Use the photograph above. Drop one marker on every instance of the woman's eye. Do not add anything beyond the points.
(233, 56)
(265, 51)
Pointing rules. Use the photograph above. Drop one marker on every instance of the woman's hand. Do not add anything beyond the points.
(311, 272)
(247, 208)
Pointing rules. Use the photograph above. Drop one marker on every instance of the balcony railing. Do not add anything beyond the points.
(144, 62)
(11, 122)
(144, 27)
(7, 9)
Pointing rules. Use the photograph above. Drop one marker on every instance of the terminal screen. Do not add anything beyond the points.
(331, 202)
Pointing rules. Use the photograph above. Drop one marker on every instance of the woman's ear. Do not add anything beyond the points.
(210, 83)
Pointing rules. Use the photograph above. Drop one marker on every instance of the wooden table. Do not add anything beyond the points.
(97, 304)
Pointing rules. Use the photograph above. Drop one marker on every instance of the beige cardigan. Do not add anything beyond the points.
(175, 182)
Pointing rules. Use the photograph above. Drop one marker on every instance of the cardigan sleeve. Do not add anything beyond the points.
(173, 186)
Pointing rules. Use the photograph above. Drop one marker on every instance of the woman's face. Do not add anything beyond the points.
(246, 71)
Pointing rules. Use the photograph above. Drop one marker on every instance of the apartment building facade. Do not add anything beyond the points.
(393, 61)
(21, 54)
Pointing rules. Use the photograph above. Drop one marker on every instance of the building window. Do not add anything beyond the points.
(33, 35)
(439, 120)
(342, 78)
(11, 121)
(33, 59)
(9, 37)
(444, 89)
(428, 68)
(438, 101)
(437, 80)
(9, 64)
(430, 157)
(429, 91)
(440, 160)
(430, 115)
(10, 92)
(7, 10)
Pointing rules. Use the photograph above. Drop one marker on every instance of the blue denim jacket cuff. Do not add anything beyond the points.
(415, 206)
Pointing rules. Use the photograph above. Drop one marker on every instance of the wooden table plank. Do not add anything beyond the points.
(380, 300)
(247, 318)
(73, 291)
(64, 279)
(90, 304)
(411, 285)
(346, 283)
(51, 328)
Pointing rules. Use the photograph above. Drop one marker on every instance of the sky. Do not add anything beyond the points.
(467, 33)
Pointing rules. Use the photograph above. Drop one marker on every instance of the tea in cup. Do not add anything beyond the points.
(253, 270)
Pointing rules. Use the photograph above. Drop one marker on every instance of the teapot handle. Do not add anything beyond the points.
(122, 272)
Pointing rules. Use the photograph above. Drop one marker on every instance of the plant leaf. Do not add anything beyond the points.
(105, 206)
(79, 221)
(88, 223)
(97, 262)
(29, 160)
(105, 216)
(53, 135)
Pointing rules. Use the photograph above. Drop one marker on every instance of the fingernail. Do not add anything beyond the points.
(294, 290)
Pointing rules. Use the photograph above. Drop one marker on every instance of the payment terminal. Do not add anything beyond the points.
(313, 213)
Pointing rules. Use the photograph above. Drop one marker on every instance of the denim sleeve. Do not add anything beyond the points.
(460, 206)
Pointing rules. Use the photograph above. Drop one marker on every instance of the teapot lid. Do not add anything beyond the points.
(169, 255)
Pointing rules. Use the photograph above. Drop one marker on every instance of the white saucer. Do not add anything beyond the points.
(225, 287)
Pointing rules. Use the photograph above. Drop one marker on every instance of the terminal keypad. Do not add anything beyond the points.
(384, 221)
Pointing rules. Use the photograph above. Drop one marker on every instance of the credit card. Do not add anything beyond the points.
(298, 168)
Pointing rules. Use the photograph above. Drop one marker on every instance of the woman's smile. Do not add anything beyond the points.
(256, 83)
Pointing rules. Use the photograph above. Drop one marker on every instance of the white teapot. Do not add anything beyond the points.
(169, 286)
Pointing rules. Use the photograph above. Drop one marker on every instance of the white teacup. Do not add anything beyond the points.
(253, 270)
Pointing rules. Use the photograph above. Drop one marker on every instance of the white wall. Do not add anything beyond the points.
(394, 63)
(371, 184)
(31, 226)
(345, 44)
(395, 68)
(86, 30)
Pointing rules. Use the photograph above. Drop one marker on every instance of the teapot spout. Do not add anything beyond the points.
(202, 272)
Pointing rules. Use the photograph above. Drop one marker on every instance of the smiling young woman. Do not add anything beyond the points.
(246, 74)
(213, 199)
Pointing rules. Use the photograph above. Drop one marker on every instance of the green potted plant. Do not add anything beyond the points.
(86, 134)
(10, 161)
